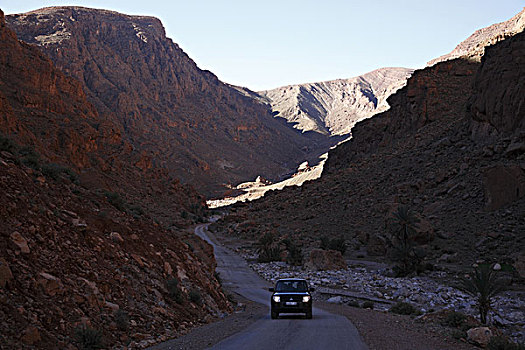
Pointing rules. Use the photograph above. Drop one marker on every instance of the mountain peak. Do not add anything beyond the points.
(63, 18)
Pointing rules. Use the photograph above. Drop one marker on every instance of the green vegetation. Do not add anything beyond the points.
(268, 249)
(501, 343)
(403, 308)
(174, 290)
(338, 244)
(29, 157)
(484, 285)
(295, 253)
(120, 203)
(116, 200)
(454, 319)
(6, 144)
(53, 171)
(88, 338)
(195, 296)
(403, 225)
(368, 304)
(353, 303)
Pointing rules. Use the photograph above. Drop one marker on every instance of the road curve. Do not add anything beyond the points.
(324, 331)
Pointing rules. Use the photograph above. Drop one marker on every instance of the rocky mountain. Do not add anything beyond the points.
(47, 111)
(334, 107)
(474, 46)
(177, 116)
(451, 148)
(80, 251)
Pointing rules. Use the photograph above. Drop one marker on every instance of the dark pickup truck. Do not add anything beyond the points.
(291, 295)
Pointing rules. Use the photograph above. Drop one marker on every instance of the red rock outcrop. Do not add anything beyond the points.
(42, 108)
(186, 120)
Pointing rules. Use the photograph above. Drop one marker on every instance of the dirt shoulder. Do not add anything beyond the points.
(386, 331)
(246, 313)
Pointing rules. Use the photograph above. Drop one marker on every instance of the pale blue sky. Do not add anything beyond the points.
(266, 44)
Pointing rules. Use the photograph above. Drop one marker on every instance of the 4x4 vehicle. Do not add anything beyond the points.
(291, 295)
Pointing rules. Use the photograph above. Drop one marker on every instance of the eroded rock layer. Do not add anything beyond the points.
(180, 117)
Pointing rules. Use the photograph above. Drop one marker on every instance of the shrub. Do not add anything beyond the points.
(195, 296)
(338, 244)
(231, 298)
(88, 338)
(29, 157)
(484, 286)
(457, 334)
(353, 303)
(116, 200)
(268, 249)
(403, 308)
(122, 319)
(295, 253)
(218, 277)
(136, 210)
(454, 319)
(368, 304)
(6, 144)
(501, 343)
(174, 291)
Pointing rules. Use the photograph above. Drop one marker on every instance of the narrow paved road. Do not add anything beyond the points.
(324, 331)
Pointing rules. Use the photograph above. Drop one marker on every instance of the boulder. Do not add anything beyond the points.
(51, 284)
(479, 336)
(320, 259)
(115, 236)
(30, 336)
(20, 242)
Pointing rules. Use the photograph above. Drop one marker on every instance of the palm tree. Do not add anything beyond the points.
(484, 286)
(404, 225)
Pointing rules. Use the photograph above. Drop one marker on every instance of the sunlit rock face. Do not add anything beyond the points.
(334, 107)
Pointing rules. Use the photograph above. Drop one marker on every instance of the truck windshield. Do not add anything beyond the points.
(291, 286)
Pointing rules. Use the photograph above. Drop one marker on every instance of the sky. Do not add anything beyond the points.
(267, 44)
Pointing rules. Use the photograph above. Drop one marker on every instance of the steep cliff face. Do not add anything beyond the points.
(333, 107)
(497, 104)
(44, 109)
(183, 118)
(474, 46)
(37, 100)
(437, 94)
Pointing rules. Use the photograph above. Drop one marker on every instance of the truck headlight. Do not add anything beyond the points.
(306, 298)
(276, 298)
